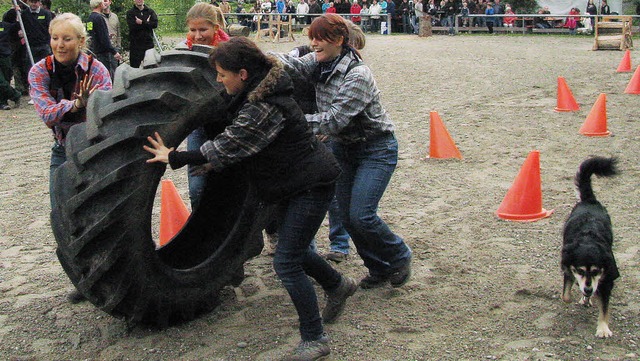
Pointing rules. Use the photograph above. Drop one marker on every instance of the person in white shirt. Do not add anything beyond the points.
(302, 10)
(375, 11)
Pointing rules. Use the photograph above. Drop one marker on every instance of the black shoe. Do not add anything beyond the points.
(5, 107)
(401, 276)
(337, 299)
(371, 281)
(75, 297)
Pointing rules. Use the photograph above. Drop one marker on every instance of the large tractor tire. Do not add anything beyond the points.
(104, 196)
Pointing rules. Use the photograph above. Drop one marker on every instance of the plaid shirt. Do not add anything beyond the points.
(343, 97)
(52, 110)
(253, 129)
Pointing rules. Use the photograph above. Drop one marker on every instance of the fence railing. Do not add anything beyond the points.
(526, 21)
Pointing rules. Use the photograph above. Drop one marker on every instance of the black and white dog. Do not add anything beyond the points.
(587, 256)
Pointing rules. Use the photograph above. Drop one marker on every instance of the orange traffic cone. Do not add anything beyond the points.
(625, 63)
(523, 201)
(566, 101)
(441, 145)
(173, 212)
(634, 84)
(596, 123)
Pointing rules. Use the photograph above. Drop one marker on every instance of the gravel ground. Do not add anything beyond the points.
(483, 288)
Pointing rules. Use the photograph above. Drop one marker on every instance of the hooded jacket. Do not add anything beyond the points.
(287, 163)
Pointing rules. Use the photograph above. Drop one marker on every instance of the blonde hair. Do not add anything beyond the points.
(356, 35)
(208, 12)
(76, 24)
(94, 4)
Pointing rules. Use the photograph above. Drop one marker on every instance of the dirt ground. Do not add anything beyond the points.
(483, 288)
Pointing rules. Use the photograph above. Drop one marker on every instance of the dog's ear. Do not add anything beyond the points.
(612, 267)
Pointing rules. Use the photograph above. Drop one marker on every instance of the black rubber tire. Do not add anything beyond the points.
(105, 194)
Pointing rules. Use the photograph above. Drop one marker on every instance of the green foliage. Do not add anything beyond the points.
(524, 6)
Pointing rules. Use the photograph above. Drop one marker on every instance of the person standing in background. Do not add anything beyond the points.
(100, 45)
(36, 20)
(141, 20)
(113, 25)
(7, 92)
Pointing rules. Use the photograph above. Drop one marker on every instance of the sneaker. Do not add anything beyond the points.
(372, 281)
(401, 276)
(337, 299)
(30, 102)
(5, 107)
(311, 350)
(75, 297)
(336, 257)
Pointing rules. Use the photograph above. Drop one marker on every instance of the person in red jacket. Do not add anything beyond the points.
(355, 9)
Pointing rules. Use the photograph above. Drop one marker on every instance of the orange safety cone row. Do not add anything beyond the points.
(596, 123)
(634, 84)
(173, 212)
(523, 201)
(566, 102)
(441, 145)
(625, 63)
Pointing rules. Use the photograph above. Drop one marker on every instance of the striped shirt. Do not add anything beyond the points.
(344, 100)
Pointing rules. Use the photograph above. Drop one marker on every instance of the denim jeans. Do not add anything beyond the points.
(366, 170)
(294, 261)
(196, 183)
(338, 235)
(58, 156)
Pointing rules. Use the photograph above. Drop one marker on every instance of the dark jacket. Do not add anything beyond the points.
(6, 29)
(141, 35)
(36, 25)
(295, 161)
(99, 33)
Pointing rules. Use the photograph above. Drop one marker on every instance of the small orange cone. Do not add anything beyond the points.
(441, 145)
(523, 201)
(566, 101)
(625, 63)
(634, 84)
(596, 123)
(173, 212)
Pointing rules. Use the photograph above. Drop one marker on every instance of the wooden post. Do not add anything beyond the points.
(425, 26)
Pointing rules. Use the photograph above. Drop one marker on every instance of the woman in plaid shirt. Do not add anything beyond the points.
(60, 84)
(289, 167)
(350, 112)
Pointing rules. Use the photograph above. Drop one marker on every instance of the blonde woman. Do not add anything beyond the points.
(205, 24)
(61, 83)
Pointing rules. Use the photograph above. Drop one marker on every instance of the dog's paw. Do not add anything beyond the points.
(585, 301)
(603, 331)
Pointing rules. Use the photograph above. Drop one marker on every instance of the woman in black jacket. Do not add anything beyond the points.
(288, 166)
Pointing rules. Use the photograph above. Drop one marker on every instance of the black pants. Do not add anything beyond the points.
(490, 26)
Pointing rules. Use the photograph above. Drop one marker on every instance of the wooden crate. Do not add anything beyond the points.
(613, 33)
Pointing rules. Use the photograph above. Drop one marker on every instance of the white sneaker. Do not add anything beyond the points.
(30, 102)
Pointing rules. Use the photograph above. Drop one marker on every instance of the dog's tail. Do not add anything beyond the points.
(600, 166)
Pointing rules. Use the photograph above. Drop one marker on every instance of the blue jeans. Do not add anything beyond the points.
(366, 170)
(58, 156)
(338, 235)
(295, 261)
(196, 183)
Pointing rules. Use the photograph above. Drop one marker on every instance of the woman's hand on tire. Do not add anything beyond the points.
(159, 150)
